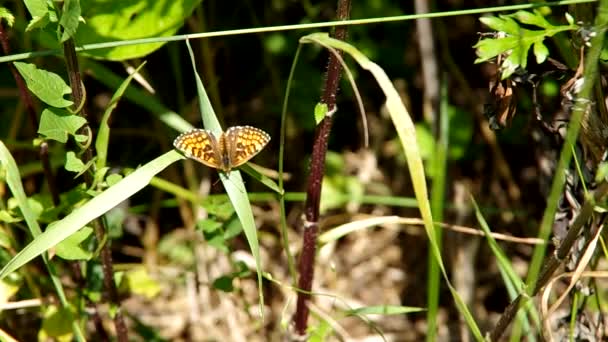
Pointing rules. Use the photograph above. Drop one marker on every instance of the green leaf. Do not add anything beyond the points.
(541, 52)
(7, 16)
(113, 179)
(114, 20)
(218, 207)
(320, 111)
(233, 182)
(569, 18)
(70, 249)
(47, 86)
(57, 323)
(56, 124)
(223, 283)
(38, 23)
(73, 163)
(37, 8)
(139, 281)
(535, 19)
(69, 18)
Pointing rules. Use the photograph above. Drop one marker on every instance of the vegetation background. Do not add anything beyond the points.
(180, 267)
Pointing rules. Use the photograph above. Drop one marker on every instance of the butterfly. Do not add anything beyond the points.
(231, 149)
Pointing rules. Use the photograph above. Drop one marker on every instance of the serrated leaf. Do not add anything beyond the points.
(69, 19)
(70, 249)
(7, 16)
(320, 111)
(47, 86)
(541, 52)
(73, 163)
(56, 124)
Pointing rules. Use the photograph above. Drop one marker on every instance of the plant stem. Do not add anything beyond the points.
(98, 224)
(317, 169)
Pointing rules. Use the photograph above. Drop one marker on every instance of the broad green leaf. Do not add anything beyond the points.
(47, 86)
(73, 163)
(94, 208)
(69, 18)
(37, 8)
(70, 249)
(112, 20)
(57, 123)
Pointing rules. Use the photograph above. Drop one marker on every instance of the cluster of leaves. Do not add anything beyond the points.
(513, 39)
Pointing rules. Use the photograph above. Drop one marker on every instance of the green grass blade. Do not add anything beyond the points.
(514, 284)
(103, 135)
(437, 207)
(233, 182)
(97, 206)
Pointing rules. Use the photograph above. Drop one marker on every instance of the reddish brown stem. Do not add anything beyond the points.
(317, 169)
(99, 224)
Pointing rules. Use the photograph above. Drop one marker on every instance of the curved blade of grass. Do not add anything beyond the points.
(407, 136)
(103, 135)
(13, 179)
(514, 284)
(97, 206)
(269, 183)
(233, 182)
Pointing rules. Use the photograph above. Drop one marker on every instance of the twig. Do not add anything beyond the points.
(317, 169)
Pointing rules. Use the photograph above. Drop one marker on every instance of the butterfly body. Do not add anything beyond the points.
(233, 148)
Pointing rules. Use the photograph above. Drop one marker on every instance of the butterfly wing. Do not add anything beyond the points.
(200, 145)
(243, 143)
